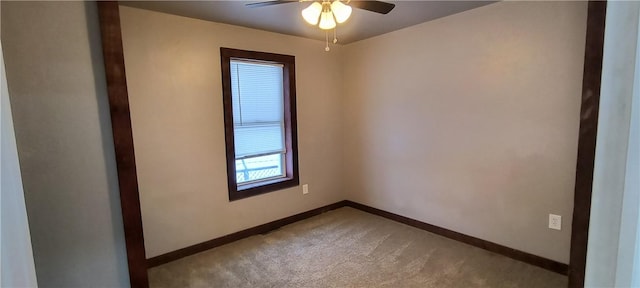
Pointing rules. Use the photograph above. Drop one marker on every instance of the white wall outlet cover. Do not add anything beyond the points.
(555, 222)
(305, 189)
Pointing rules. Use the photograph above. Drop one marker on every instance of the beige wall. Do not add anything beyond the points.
(470, 122)
(60, 111)
(173, 74)
(472, 131)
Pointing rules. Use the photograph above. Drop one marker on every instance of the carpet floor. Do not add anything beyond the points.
(350, 248)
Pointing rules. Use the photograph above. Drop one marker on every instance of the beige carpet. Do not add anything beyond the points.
(350, 248)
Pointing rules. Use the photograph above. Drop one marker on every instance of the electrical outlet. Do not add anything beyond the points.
(305, 189)
(555, 222)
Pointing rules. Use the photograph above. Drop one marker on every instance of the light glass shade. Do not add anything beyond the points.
(312, 13)
(341, 11)
(326, 21)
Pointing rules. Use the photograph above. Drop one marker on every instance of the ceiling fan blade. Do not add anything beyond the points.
(373, 6)
(268, 3)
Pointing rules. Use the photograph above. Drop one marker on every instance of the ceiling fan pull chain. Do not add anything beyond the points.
(326, 48)
(335, 38)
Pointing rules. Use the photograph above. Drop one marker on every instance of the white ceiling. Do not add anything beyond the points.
(286, 19)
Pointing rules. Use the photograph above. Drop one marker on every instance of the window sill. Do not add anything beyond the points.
(253, 189)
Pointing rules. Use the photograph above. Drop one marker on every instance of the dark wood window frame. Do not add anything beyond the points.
(125, 157)
(291, 178)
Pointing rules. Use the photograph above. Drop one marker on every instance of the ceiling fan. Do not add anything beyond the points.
(373, 6)
(326, 13)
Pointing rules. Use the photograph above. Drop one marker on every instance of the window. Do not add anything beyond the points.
(259, 95)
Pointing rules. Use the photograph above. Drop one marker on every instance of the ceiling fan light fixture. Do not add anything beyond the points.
(311, 14)
(326, 21)
(325, 13)
(340, 11)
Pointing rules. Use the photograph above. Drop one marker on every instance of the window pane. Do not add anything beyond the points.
(257, 140)
(257, 168)
(257, 93)
(258, 108)
(235, 95)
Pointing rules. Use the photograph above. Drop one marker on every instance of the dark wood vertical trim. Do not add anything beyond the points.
(291, 122)
(587, 140)
(123, 141)
(229, 138)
